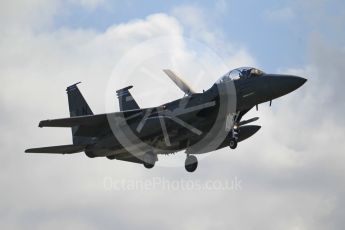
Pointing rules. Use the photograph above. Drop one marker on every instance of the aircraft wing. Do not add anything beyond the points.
(61, 149)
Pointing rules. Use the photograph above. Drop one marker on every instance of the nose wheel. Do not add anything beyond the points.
(233, 140)
(234, 130)
(191, 163)
(233, 143)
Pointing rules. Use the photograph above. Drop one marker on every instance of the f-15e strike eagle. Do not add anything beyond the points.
(197, 123)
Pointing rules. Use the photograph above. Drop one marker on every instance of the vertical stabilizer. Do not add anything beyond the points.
(77, 107)
(77, 104)
(126, 101)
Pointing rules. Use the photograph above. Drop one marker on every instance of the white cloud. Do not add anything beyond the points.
(37, 15)
(198, 25)
(26, 15)
(36, 67)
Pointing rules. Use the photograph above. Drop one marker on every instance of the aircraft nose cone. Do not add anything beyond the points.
(297, 81)
(284, 84)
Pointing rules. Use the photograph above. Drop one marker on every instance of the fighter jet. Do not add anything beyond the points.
(197, 123)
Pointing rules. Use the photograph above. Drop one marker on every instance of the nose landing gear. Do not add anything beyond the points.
(234, 131)
(234, 138)
(233, 143)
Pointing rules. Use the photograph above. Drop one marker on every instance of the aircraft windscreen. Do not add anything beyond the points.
(241, 73)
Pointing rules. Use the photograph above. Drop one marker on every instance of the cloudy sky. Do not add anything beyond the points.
(290, 175)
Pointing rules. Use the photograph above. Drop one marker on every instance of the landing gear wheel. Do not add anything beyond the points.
(233, 143)
(112, 157)
(149, 160)
(90, 155)
(191, 163)
(148, 165)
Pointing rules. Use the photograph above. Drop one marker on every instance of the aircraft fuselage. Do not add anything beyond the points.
(198, 112)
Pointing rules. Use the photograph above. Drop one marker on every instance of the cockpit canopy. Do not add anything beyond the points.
(241, 73)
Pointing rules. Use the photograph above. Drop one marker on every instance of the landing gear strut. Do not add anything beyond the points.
(234, 133)
(233, 139)
(191, 163)
(149, 160)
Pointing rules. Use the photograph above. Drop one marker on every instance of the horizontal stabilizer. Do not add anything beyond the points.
(91, 120)
(61, 149)
(99, 120)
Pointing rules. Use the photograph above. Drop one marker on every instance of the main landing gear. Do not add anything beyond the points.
(191, 163)
(149, 160)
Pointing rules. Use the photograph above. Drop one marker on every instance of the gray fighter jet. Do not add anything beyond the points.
(197, 123)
